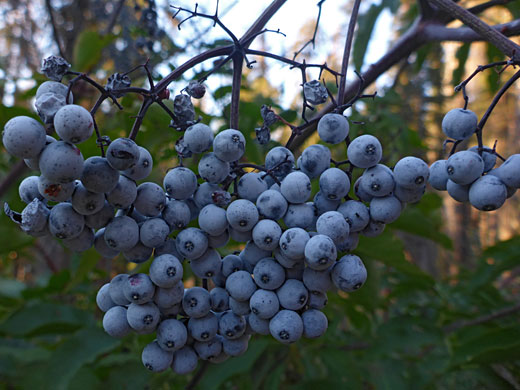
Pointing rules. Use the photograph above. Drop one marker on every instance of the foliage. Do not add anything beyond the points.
(397, 332)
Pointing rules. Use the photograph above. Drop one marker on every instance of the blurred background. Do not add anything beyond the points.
(440, 309)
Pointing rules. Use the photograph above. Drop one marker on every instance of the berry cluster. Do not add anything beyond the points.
(470, 175)
(295, 250)
(276, 285)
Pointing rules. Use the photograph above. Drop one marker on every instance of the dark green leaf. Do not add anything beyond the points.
(218, 374)
(44, 318)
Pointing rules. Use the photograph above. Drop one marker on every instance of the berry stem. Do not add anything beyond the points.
(235, 90)
(495, 101)
(139, 118)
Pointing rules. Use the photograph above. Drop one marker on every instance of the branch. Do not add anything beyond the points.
(15, 172)
(346, 52)
(409, 42)
(505, 45)
(54, 28)
(420, 33)
(481, 320)
(197, 376)
(262, 20)
(114, 17)
(506, 375)
(425, 9)
(447, 18)
(438, 33)
(257, 26)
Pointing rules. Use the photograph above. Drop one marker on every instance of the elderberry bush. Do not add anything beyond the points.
(296, 244)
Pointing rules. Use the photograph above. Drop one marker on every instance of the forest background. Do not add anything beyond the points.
(440, 307)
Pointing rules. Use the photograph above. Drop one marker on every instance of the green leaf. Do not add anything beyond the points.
(130, 376)
(490, 346)
(461, 56)
(22, 351)
(389, 250)
(88, 50)
(39, 318)
(216, 375)
(514, 9)
(412, 220)
(87, 264)
(7, 113)
(505, 256)
(366, 23)
(492, 77)
(74, 353)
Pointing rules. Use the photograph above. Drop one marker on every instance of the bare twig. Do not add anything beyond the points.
(313, 39)
(346, 52)
(506, 375)
(55, 28)
(216, 20)
(480, 68)
(482, 320)
(114, 17)
(435, 32)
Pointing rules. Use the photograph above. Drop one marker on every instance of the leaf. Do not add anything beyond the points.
(505, 256)
(129, 377)
(366, 23)
(492, 76)
(88, 50)
(389, 250)
(412, 220)
(22, 351)
(7, 113)
(77, 351)
(216, 375)
(461, 56)
(39, 318)
(490, 346)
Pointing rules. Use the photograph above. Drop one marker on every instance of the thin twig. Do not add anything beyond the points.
(313, 39)
(114, 17)
(506, 375)
(488, 112)
(197, 376)
(139, 118)
(481, 320)
(346, 52)
(55, 28)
